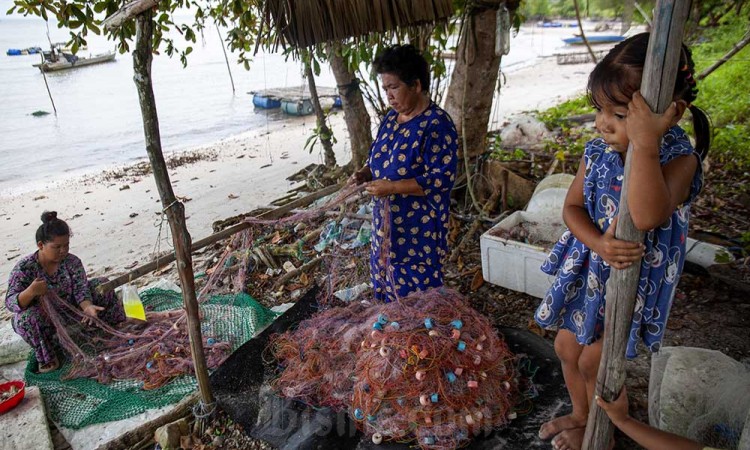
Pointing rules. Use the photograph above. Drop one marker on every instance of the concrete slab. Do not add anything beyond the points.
(25, 426)
(12, 347)
(92, 436)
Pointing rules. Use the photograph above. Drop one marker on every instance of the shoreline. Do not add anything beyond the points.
(115, 213)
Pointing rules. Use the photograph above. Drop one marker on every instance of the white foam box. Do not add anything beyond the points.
(514, 249)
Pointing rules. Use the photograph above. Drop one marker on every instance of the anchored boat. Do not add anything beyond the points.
(59, 59)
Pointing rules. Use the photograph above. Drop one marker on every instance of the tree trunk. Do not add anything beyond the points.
(657, 87)
(174, 209)
(474, 78)
(324, 133)
(355, 112)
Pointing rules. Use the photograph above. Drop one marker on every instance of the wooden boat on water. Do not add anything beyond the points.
(59, 59)
(594, 39)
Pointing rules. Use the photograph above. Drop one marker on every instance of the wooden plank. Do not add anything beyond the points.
(657, 87)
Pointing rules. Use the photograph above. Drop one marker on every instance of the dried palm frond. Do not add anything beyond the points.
(303, 23)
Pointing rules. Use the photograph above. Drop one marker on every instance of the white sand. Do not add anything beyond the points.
(109, 241)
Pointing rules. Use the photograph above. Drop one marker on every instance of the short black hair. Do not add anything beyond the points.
(406, 62)
(51, 227)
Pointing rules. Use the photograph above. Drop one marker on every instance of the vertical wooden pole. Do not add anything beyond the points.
(657, 87)
(324, 133)
(226, 60)
(175, 210)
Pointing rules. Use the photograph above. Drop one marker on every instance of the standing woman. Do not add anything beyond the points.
(52, 268)
(410, 174)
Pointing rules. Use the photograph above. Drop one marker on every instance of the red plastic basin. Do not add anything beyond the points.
(11, 403)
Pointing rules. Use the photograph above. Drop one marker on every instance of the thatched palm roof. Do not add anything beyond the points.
(303, 23)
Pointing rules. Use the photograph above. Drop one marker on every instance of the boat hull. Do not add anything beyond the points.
(577, 40)
(82, 62)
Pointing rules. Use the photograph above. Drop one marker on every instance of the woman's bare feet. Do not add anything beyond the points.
(49, 367)
(550, 429)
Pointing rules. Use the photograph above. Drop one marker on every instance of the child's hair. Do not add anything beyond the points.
(51, 227)
(616, 77)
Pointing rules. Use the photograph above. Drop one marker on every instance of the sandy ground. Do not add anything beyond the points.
(116, 221)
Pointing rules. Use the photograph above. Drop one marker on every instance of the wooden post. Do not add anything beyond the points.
(657, 87)
(174, 209)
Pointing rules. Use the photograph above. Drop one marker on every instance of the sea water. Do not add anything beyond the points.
(98, 122)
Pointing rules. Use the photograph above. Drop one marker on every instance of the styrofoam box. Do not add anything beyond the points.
(516, 265)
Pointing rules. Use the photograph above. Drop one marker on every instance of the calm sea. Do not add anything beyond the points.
(98, 120)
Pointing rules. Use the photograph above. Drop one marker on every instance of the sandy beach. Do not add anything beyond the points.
(116, 221)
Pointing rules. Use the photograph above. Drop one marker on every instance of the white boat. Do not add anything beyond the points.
(58, 59)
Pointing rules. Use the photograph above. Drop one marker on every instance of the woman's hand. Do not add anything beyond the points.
(617, 410)
(38, 287)
(646, 128)
(363, 175)
(90, 310)
(617, 253)
(380, 188)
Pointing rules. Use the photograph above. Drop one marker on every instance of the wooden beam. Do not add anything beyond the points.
(737, 47)
(216, 237)
(174, 209)
(657, 87)
(127, 12)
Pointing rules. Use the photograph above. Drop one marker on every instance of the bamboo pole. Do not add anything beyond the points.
(583, 35)
(216, 237)
(657, 87)
(221, 41)
(175, 210)
(737, 47)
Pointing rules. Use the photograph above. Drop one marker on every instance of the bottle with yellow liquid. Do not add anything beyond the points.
(132, 303)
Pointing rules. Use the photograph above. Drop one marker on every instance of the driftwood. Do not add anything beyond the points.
(167, 259)
(301, 269)
(127, 12)
(136, 437)
(493, 176)
(657, 87)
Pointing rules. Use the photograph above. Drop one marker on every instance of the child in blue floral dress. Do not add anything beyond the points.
(665, 177)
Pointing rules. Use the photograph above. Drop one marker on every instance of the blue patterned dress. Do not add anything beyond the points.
(70, 284)
(575, 301)
(424, 148)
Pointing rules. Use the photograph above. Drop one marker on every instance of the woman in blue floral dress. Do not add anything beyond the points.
(665, 177)
(410, 173)
(52, 268)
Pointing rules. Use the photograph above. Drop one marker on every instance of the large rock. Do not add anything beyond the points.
(25, 426)
(12, 347)
(693, 389)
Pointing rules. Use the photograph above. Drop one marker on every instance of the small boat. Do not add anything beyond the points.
(23, 51)
(594, 39)
(549, 24)
(58, 59)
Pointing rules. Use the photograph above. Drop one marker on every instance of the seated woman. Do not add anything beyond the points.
(52, 268)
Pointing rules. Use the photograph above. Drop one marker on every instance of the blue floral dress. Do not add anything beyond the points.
(409, 236)
(575, 301)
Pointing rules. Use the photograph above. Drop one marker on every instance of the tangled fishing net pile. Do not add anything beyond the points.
(427, 368)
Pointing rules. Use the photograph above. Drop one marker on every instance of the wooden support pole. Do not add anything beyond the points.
(175, 210)
(657, 87)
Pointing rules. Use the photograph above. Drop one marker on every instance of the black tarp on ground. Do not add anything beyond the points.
(242, 390)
